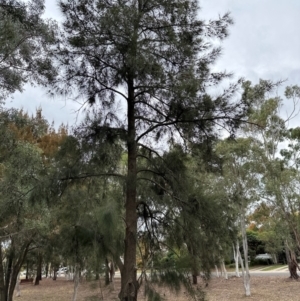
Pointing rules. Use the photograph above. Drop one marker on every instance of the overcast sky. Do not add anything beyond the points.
(264, 42)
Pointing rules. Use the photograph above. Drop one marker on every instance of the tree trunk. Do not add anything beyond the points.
(18, 293)
(76, 282)
(2, 281)
(112, 274)
(224, 270)
(38, 270)
(195, 280)
(217, 271)
(27, 270)
(129, 284)
(54, 273)
(274, 257)
(111, 271)
(236, 258)
(12, 285)
(194, 269)
(246, 274)
(106, 272)
(47, 269)
(16, 264)
(292, 262)
(8, 273)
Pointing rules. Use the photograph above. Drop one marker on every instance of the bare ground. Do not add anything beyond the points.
(262, 289)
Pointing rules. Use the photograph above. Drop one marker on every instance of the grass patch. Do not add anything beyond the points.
(273, 267)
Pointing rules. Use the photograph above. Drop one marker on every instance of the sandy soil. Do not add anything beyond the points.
(262, 289)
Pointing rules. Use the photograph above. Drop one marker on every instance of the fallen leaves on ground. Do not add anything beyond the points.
(263, 288)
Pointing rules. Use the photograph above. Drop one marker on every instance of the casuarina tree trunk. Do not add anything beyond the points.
(129, 284)
(76, 282)
(106, 271)
(54, 273)
(38, 270)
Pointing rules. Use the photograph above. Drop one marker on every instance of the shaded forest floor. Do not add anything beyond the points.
(264, 288)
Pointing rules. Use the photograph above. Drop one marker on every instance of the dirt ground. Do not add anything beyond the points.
(262, 289)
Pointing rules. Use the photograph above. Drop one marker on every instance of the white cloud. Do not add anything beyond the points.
(263, 41)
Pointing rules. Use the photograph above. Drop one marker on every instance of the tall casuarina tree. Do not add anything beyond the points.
(146, 64)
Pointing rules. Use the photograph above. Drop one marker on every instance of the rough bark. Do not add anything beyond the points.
(129, 284)
(112, 274)
(38, 270)
(47, 269)
(194, 269)
(292, 262)
(195, 280)
(16, 265)
(76, 282)
(8, 274)
(54, 273)
(111, 271)
(12, 285)
(106, 272)
(27, 270)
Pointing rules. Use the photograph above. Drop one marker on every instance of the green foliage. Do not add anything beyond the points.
(24, 40)
(151, 294)
(156, 62)
(255, 244)
(23, 220)
(198, 222)
(175, 281)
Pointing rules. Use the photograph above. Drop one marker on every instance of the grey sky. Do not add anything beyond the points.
(263, 43)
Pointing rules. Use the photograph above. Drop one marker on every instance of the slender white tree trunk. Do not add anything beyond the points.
(236, 258)
(18, 293)
(217, 271)
(246, 274)
(224, 270)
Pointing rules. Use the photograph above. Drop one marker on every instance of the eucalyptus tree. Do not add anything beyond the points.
(280, 162)
(24, 38)
(149, 72)
(272, 230)
(241, 171)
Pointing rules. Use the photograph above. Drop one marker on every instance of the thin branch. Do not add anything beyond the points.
(91, 175)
